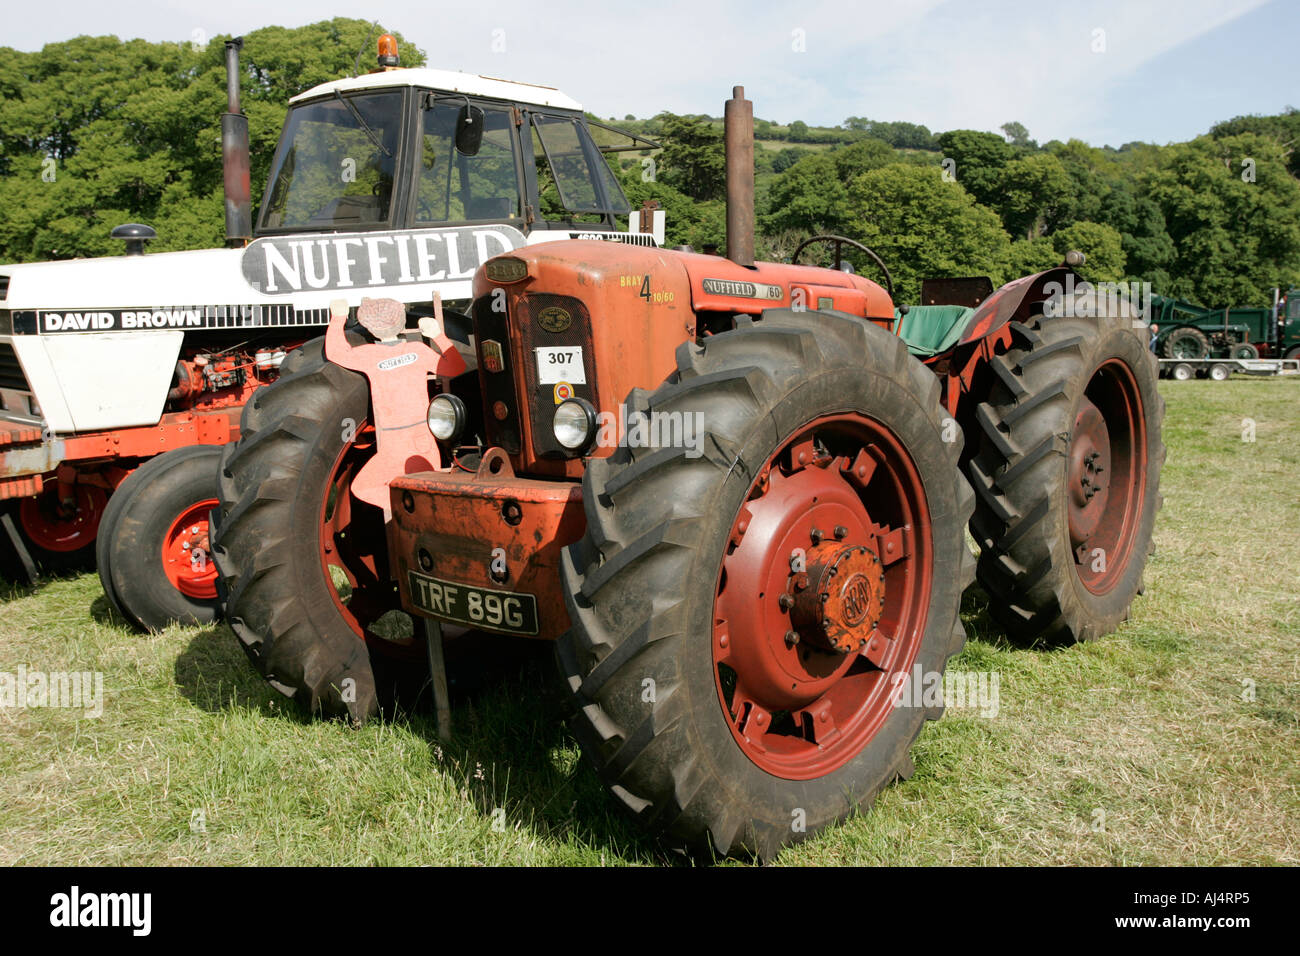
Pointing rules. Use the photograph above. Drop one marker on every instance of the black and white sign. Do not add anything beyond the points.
(184, 317)
(283, 265)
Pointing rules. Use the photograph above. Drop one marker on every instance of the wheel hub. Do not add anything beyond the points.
(63, 526)
(1089, 473)
(842, 598)
(185, 553)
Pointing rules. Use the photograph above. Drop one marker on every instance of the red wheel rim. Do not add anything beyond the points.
(186, 556)
(49, 525)
(1106, 476)
(354, 556)
(845, 491)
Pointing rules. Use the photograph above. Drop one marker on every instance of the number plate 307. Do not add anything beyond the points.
(557, 364)
(508, 611)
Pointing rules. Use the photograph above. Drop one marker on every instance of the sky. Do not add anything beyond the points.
(1104, 71)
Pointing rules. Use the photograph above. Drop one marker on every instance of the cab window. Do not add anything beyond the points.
(572, 175)
(455, 187)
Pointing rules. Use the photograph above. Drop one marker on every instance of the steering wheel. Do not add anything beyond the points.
(840, 242)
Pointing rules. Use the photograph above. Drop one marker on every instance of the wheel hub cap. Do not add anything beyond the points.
(842, 598)
(1089, 475)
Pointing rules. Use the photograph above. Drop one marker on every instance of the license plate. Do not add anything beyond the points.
(492, 610)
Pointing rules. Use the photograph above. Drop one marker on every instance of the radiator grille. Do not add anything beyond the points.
(11, 373)
(541, 398)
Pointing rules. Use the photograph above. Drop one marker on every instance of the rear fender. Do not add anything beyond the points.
(1015, 300)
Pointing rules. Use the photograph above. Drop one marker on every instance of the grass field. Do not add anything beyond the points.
(1174, 741)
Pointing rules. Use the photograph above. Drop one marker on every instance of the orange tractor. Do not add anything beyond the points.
(734, 495)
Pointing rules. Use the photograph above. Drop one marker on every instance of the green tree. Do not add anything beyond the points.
(132, 131)
(693, 160)
(809, 197)
(1027, 256)
(1232, 209)
(979, 159)
(1102, 246)
(1036, 195)
(1284, 129)
(1016, 134)
(924, 227)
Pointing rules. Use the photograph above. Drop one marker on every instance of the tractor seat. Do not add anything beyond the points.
(931, 329)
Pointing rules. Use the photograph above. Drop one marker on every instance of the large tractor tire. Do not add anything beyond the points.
(720, 696)
(1187, 342)
(304, 563)
(152, 549)
(1067, 477)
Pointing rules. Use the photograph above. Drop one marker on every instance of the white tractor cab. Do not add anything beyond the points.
(397, 184)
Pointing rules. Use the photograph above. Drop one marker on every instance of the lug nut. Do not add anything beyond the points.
(791, 638)
(841, 532)
(816, 535)
(785, 601)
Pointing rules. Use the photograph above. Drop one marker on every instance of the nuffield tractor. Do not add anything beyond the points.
(734, 494)
(122, 377)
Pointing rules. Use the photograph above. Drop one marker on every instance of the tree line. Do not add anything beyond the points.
(96, 131)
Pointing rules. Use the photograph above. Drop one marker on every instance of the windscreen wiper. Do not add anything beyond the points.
(364, 127)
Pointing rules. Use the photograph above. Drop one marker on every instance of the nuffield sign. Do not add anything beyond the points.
(283, 265)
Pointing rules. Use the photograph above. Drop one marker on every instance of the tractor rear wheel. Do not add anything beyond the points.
(1067, 477)
(153, 548)
(722, 698)
(1187, 342)
(304, 563)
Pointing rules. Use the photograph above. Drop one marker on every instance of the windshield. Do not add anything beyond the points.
(569, 159)
(337, 168)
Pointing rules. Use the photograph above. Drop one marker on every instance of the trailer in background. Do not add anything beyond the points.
(1221, 369)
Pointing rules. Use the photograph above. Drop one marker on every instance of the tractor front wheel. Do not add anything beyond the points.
(304, 563)
(153, 548)
(747, 610)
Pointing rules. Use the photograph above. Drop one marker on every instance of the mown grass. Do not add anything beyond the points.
(1147, 747)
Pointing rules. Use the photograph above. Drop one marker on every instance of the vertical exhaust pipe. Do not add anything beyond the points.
(234, 155)
(739, 139)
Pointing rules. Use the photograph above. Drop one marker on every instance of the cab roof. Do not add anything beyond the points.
(452, 81)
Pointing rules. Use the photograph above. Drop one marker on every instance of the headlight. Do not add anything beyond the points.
(446, 417)
(575, 424)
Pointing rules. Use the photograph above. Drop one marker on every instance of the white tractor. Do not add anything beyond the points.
(121, 377)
